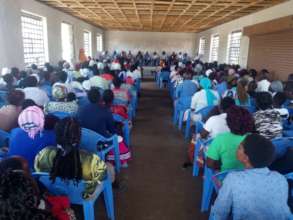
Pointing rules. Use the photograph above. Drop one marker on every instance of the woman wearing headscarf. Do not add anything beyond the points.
(62, 103)
(31, 136)
(205, 97)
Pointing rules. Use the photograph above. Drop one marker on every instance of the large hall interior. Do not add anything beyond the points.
(146, 109)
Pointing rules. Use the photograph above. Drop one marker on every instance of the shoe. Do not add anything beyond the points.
(186, 165)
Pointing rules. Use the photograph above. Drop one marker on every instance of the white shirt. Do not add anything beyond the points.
(263, 86)
(37, 95)
(136, 74)
(199, 99)
(115, 66)
(216, 125)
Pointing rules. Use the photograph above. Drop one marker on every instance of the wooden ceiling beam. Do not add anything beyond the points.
(159, 15)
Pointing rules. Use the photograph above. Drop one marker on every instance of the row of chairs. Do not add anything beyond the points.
(210, 178)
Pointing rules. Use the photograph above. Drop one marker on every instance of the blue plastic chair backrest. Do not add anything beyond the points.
(281, 145)
(4, 138)
(289, 176)
(205, 111)
(62, 115)
(119, 118)
(185, 101)
(118, 101)
(89, 140)
(59, 187)
(221, 88)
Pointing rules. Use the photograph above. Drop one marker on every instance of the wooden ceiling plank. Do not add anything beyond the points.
(159, 15)
(210, 15)
(167, 13)
(232, 12)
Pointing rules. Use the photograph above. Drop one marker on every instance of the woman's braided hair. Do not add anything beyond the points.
(66, 164)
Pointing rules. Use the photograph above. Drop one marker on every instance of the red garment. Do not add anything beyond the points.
(107, 76)
(120, 110)
(129, 80)
(59, 204)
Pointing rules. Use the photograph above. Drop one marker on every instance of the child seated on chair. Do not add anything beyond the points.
(256, 192)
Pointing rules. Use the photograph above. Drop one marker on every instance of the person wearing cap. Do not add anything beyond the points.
(255, 192)
(31, 136)
(61, 103)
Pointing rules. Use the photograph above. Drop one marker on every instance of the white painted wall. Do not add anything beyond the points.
(150, 41)
(11, 49)
(224, 30)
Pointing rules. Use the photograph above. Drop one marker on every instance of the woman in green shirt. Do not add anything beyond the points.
(68, 162)
(221, 154)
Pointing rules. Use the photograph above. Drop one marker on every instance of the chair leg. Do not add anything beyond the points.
(207, 190)
(88, 210)
(117, 155)
(108, 198)
(175, 117)
(187, 128)
(195, 169)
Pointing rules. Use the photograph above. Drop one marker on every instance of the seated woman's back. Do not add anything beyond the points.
(68, 162)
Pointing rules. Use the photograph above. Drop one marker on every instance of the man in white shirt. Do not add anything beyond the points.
(31, 91)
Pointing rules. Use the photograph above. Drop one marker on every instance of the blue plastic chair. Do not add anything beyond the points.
(62, 115)
(89, 140)
(181, 105)
(203, 112)
(74, 192)
(126, 130)
(282, 145)
(164, 77)
(200, 142)
(3, 98)
(221, 88)
(207, 189)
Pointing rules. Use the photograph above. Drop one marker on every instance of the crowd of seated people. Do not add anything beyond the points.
(117, 60)
(44, 113)
(249, 111)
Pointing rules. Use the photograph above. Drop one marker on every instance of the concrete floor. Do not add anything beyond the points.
(157, 188)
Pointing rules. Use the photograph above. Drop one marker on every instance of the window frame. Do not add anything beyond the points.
(88, 50)
(71, 59)
(34, 32)
(212, 47)
(99, 37)
(202, 46)
(229, 52)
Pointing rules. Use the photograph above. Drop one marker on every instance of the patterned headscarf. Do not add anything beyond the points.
(59, 91)
(32, 120)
